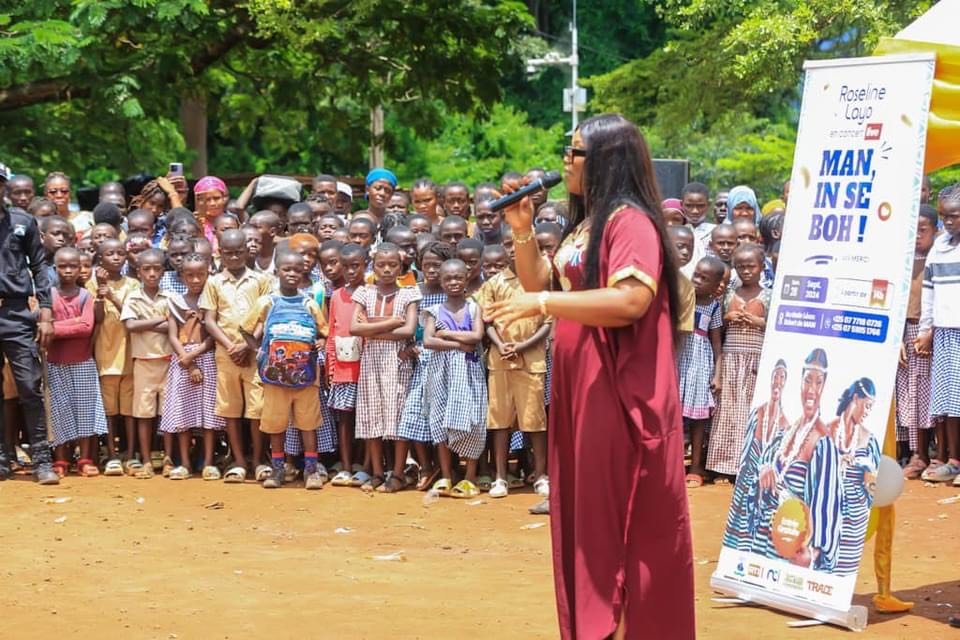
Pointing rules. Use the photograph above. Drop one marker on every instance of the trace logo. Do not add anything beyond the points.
(873, 131)
(819, 587)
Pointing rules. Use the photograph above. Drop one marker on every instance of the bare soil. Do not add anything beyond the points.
(125, 558)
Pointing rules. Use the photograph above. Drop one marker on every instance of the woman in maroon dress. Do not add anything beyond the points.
(621, 533)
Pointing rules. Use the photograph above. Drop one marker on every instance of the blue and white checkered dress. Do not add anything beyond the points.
(171, 282)
(343, 396)
(76, 406)
(414, 424)
(456, 391)
(945, 398)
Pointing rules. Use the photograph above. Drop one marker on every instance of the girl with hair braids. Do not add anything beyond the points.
(859, 454)
(622, 564)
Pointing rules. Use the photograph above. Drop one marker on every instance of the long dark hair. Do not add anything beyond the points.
(617, 170)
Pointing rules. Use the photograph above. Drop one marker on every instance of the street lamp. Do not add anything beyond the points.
(574, 97)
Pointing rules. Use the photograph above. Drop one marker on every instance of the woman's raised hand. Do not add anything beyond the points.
(519, 215)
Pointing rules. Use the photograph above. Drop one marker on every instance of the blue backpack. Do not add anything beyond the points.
(288, 351)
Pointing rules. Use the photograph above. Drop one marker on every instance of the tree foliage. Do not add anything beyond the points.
(98, 83)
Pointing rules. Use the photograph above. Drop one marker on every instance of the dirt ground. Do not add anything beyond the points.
(152, 559)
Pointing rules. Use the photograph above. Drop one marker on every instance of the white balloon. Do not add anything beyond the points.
(889, 484)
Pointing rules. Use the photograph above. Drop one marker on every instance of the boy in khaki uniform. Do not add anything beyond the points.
(281, 399)
(229, 298)
(145, 317)
(111, 349)
(517, 362)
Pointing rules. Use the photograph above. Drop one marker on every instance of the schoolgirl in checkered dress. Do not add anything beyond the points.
(76, 406)
(384, 377)
(187, 404)
(740, 359)
(695, 362)
(414, 424)
(456, 393)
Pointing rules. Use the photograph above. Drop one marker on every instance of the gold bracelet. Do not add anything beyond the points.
(523, 238)
(542, 299)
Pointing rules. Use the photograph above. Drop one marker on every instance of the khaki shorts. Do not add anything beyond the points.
(279, 403)
(149, 386)
(516, 399)
(117, 392)
(9, 383)
(239, 391)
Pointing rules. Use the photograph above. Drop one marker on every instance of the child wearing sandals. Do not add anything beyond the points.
(414, 422)
(698, 362)
(385, 315)
(343, 363)
(940, 332)
(913, 375)
(292, 328)
(192, 380)
(145, 317)
(517, 362)
(456, 394)
(76, 407)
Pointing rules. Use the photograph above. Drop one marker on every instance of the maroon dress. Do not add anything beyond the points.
(618, 503)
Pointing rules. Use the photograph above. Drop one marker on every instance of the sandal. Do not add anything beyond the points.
(484, 483)
(465, 489)
(113, 467)
(694, 480)
(499, 489)
(392, 485)
(179, 473)
(262, 472)
(167, 466)
(514, 482)
(132, 466)
(935, 463)
(359, 478)
(372, 484)
(235, 475)
(61, 467)
(342, 479)
(944, 473)
(442, 487)
(914, 468)
(425, 482)
(145, 472)
(210, 473)
(86, 468)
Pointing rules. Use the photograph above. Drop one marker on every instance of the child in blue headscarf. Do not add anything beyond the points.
(742, 203)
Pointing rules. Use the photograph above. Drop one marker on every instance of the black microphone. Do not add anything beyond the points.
(549, 180)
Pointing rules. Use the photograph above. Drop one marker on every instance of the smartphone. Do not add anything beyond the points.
(176, 169)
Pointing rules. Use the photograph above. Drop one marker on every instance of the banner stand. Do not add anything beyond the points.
(854, 619)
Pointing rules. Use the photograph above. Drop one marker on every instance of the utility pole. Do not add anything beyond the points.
(574, 97)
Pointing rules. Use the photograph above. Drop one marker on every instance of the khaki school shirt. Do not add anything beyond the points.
(111, 344)
(504, 286)
(234, 299)
(147, 345)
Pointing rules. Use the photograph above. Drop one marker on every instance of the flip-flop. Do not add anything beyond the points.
(342, 479)
(359, 478)
(442, 487)
(391, 485)
(179, 473)
(61, 467)
(262, 472)
(235, 475)
(132, 466)
(694, 480)
(86, 468)
(373, 484)
(465, 489)
(210, 473)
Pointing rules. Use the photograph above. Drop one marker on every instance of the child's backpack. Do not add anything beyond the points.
(288, 352)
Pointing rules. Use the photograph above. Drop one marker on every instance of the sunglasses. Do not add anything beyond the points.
(574, 152)
(58, 190)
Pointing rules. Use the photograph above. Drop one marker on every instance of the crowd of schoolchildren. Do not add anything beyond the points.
(349, 347)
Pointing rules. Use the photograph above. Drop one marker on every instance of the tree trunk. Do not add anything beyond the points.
(193, 120)
(376, 137)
